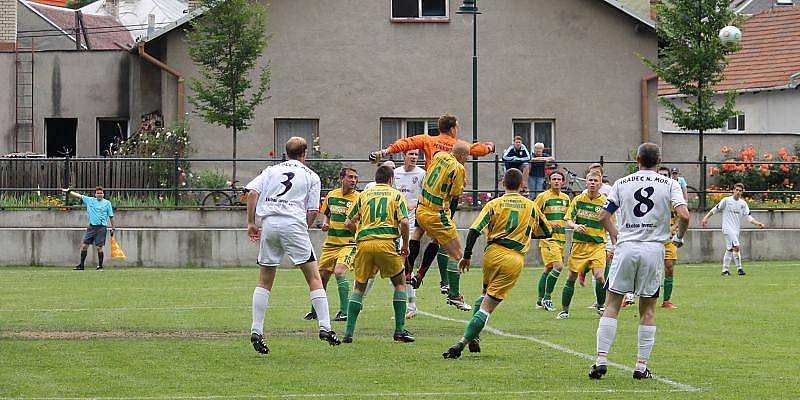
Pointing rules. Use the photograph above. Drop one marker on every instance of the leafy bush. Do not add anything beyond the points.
(328, 171)
(758, 177)
(211, 179)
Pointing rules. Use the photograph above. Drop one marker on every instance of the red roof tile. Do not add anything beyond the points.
(58, 3)
(103, 31)
(770, 53)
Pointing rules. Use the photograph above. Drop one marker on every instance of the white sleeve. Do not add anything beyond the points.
(747, 213)
(676, 195)
(613, 199)
(259, 183)
(312, 202)
(719, 207)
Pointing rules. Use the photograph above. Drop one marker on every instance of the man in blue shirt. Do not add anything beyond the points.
(536, 176)
(100, 213)
(516, 155)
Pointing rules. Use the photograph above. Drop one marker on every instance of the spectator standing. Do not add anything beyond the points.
(536, 176)
(676, 174)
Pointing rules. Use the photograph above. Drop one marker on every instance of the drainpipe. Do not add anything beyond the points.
(166, 68)
(646, 107)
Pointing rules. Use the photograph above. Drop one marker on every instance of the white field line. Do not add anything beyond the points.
(175, 308)
(353, 395)
(681, 386)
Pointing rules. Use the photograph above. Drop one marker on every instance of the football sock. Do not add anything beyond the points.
(427, 259)
(647, 338)
(441, 259)
(476, 324)
(606, 331)
(566, 295)
(726, 260)
(100, 260)
(667, 288)
(413, 252)
(453, 279)
(399, 303)
(260, 301)
(600, 293)
(83, 257)
(542, 284)
(737, 256)
(353, 308)
(411, 294)
(319, 299)
(344, 293)
(552, 278)
(477, 305)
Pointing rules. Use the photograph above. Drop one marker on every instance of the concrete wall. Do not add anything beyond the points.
(215, 238)
(31, 21)
(70, 84)
(573, 61)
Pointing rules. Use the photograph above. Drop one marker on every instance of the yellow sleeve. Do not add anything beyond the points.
(539, 200)
(541, 226)
(402, 208)
(459, 181)
(355, 211)
(481, 224)
(324, 209)
(571, 211)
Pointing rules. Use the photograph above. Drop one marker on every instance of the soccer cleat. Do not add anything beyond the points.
(582, 279)
(454, 351)
(474, 346)
(741, 272)
(403, 337)
(310, 315)
(416, 282)
(563, 315)
(78, 268)
(258, 343)
(539, 305)
(548, 305)
(600, 311)
(646, 374)
(330, 337)
(411, 312)
(347, 339)
(668, 304)
(459, 303)
(340, 317)
(99, 268)
(597, 371)
(444, 288)
(726, 273)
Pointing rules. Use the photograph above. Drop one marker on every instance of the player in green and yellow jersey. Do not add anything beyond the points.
(339, 249)
(588, 241)
(554, 204)
(445, 181)
(382, 218)
(509, 222)
(670, 252)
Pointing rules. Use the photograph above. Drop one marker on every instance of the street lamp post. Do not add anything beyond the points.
(471, 7)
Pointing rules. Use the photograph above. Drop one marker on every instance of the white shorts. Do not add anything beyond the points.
(638, 268)
(281, 239)
(731, 240)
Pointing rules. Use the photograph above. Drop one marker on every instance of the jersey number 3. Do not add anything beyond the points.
(287, 183)
(644, 204)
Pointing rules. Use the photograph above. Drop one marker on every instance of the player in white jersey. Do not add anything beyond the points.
(285, 198)
(408, 180)
(645, 201)
(733, 208)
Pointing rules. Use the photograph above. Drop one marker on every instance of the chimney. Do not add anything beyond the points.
(653, 14)
(112, 7)
(8, 25)
(151, 24)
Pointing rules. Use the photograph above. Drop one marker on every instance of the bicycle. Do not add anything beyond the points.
(238, 196)
(574, 184)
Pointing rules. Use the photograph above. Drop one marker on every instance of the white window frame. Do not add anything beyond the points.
(785, 2)
(279, 148)
(532, 121)
(404, 131)
(420, 18)
(736, 118)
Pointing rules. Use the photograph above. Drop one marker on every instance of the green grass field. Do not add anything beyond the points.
(183, 333)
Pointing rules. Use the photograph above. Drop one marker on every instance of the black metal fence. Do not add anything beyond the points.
(169, 182)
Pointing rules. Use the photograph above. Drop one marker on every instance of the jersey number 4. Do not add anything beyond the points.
(287, 183)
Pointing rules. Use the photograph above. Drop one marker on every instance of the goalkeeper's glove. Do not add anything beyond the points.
(677, 240)
(490, 145)
(375, 156)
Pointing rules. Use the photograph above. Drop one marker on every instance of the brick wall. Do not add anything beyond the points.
(8, 25)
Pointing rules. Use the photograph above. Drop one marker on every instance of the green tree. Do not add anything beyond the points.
(226, 43)
(693, 59)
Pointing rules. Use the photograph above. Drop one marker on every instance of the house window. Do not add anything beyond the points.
(393, 129)
(416, 10)
(61, 136)
(110, 131)
(307, 129)
(784, 2)
(536, 131)
(736, 123)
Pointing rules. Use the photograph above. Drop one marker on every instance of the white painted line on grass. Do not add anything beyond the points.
(176, 308)
(330, 395)
(681, 386)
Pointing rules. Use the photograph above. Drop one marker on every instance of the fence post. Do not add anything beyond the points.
(496, 175)
(602, 161)
(475, 182)
(66, 182)
(703, 183)
(177, 177)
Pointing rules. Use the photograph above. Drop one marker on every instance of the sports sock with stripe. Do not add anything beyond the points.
(552, 278)
(441, 260)
(344, 293)
(667, 288)
(737, 256)
(476, 325)
(453, 279)
(726, 260)
(353, 308)
(399, 304)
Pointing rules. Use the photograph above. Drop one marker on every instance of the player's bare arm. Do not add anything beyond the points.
(72, 193)
(253, 231)
(577, 227)
(311, 216)
(404, 228)
(466, 261)
(611, 228)
(756, 222)
(683, 224)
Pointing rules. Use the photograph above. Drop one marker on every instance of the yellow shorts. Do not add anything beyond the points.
(670, 251)
(501, 269)
(437, 224)
(377, 255)
(552, 252)
(333, 256)
(583, 254)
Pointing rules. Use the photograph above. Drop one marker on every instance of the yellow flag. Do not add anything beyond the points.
(116, 251)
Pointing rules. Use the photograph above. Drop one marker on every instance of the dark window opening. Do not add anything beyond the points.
(434, 8)
(405, 8)
(426, 9)
(110, 132)
(61, 136)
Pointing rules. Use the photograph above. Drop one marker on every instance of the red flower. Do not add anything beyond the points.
(768, 157)
(271, 154)
(782, 152)
(726, 149)
(785, 168)
(714, 170)
(786, 181)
